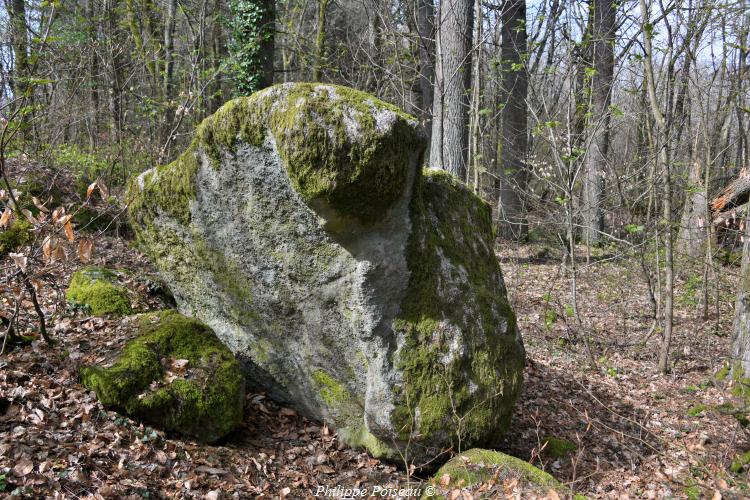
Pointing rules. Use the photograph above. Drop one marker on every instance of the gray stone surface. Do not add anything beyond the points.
(360, 311)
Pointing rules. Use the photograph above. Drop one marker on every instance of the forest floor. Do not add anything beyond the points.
(637, 433)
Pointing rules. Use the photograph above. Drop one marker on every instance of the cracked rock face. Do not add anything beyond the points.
(299, 226)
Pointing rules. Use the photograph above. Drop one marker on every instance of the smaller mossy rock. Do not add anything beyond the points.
(477, 466)
(14, 237)
(696, 410)
(556, 447)
(740, 462)
(176, 375)
(95, 288)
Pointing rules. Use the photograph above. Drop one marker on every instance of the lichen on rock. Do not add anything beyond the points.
(96, 289)
(351, 285)
(176, 375)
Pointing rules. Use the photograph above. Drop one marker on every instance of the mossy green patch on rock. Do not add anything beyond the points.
(331, 391)
(455, 304)
(206, 401)
(360, 437)
(95, 288)
(14, 237)
(696, 410)
(329, 138)
(740, 462)
(476, 466)
(556, 447)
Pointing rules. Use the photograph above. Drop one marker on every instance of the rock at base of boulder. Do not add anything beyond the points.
(14, 237)
(95, 289)
(476, 466)
(176, 376)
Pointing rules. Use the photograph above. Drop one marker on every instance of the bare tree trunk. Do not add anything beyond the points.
(662, 161)
(450, 130)
(603, 34)
(513, 171)
(93, 72)
(741, 324)
(423, 24)
(19, 40)
(695, 213)
(169, 25)
(475, 140)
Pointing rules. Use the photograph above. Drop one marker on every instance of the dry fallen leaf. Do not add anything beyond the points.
(5, 218)
(445, 480)
(68, 228)
(285, 492)
(85, 249)
(23, 467)
(20, 260)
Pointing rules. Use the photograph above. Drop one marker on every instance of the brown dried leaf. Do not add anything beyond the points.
(27, 213)
(64, 219)
(57, 213)
(90, 189)
(85, 249)
(103, 189)
(20, 260)
(445, 480)
(59, 253)
(5, 218)
(38, 204)
(69, 231)
(48, 246)
(23, 467)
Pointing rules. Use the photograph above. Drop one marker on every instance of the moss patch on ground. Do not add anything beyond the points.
(14, 237)
(204, 398)
(477, 466)
(95, 288)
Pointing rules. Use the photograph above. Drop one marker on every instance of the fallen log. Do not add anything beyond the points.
(736, 194)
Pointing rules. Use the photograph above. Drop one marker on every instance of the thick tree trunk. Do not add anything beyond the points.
(93, 72)
(169, 25)
(320, 41)
(422, 23)
(603, 33)
(450, 124)
(267, 43)
(254, 35)
(694, 214)
(19, 41)
(513, 169)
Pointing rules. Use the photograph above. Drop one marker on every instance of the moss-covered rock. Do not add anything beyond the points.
(556, 447)
(299, 226)
(96, 289)
(477, 466)
(15, 236)
(176, 376)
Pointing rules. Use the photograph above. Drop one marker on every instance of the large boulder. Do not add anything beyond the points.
(298, 225)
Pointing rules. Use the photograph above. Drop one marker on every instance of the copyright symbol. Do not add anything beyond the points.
(429, 491)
